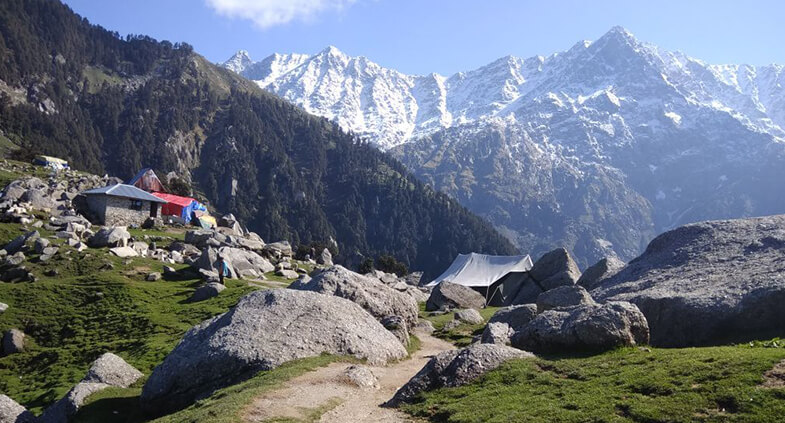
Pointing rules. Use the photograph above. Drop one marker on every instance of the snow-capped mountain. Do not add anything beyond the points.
(598, 148)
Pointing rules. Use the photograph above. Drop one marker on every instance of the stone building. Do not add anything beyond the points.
(122, 205)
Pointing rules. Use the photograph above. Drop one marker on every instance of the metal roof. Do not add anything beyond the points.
(127, 191)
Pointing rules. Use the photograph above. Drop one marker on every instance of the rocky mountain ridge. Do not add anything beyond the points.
(597, 148)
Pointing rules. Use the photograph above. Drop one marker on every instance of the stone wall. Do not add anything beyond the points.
(117, 210)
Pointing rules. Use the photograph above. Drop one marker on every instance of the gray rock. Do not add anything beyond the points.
(325, 258)
(600, 271)
(452, 324)
(377, 298)
(13, 341)
(497, 333)
(469, 315)
(3, 307)
(19, 242)
(245, 263)
(124, 252)
(708, 283)
(448, 296)
(199, 238)
(207, 291)
(424, 326)
(397, 325)
(455, 368)
(15, 259)
(360, 376)
(413, 278)
(153, 276)
(584, 328)
(12, 412)
(563, 296)
(516, 316)
(264, 330)
(67, 407)
(555, 268)
(279, 249)
(288, 274)
(112, 370)
(110, 236)
(38, 199)
(40, 244)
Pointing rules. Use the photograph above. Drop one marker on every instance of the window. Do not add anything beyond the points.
(136, 205)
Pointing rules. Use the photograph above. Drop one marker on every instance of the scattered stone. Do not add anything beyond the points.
(207, 291)
(424, 326)
(264, 330)
(360, 376)
(563, 296)
(40, 244)
(448, 296)
(112, 370)
(584, 328)
(153, 276)
(19, 242)
(325, 258)
(3, 307)
(456, 368)
(377, 298)
(110, 236)
(124, 252)
(452, 324)
(497, 333)
(470, 316)
(15, 259)
(13, 342)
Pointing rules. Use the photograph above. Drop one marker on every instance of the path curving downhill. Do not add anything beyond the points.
(321, 392)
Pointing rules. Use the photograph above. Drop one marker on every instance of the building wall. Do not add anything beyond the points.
(119, 212)
(97, 206)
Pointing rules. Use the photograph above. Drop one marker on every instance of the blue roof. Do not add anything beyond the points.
(127, 191)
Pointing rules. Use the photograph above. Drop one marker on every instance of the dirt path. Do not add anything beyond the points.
(322, 393)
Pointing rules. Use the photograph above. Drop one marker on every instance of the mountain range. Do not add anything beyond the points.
(597, 148)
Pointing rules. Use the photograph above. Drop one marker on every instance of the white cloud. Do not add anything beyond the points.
(269, 13)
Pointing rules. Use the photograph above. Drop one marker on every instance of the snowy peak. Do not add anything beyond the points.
(390, 108)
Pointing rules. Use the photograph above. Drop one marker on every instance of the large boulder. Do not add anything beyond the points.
(12, 412)
(455, 368)
(264, 330)
(244, 263)
(279, 249)
(554, 269)
(13, 341)
(199, 237)
(600, 271)
(110, 236)
(448, 296)
(325, 258)
(469, 315)
(563, 296)
(38, 199)
(112, 370)
(497, 333)
(377, 298)
(107, 371)
(516, 316)
(584, 328)
(708, 283)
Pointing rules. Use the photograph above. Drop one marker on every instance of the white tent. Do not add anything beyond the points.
(481, 270)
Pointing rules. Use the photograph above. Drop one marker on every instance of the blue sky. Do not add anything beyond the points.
(446, 36)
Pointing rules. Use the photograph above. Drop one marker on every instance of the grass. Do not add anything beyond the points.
(177, 234)
(461, 335)
(87, 310)
(710, 384)
(224, 405)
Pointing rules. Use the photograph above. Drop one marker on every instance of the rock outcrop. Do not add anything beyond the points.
(206, 291)
(708, 283)
(377, 298)
(600, 271)
(448, 296)
(563, 296)
(110, 236)
(584, 328)
(469, 315)
(264, 330)
(554, 269)
(13, 341)
(455, 368)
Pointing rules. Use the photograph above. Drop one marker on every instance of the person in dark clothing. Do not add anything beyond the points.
(222, 269)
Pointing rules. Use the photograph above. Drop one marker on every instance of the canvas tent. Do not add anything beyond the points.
(147, 180)
(180, 207)
(497, 278)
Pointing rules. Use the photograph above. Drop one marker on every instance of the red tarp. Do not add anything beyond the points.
(175, 204)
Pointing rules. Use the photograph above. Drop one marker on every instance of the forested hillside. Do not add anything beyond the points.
(108, 104)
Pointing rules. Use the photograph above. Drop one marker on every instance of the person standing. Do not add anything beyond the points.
(223, 269)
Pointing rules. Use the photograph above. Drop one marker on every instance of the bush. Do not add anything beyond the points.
(366, 266)
(388, 264)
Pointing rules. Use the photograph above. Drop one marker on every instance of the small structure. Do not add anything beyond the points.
(182, 208)
(122, 204)
(147, 180)
(51, 162)
(497, 278)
